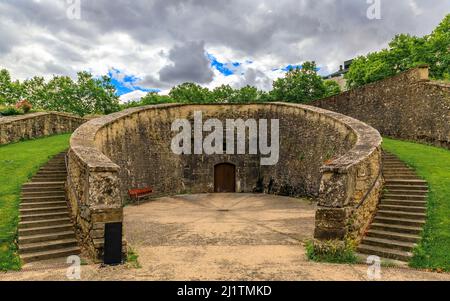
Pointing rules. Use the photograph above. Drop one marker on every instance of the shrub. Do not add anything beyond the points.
(10, 111)
(330, 251)
(25, 105)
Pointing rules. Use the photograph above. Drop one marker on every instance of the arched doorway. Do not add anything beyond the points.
(225, 178)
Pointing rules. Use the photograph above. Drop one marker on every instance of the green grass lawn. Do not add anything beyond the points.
(433, 164)
(18, 162)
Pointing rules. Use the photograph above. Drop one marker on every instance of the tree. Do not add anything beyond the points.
(190, 93)
(35, 91)
(300, 85)
(61, 92)
(10, 92)
(439, 48)
(223, 94)
(245, 94)
(331, 88)
(154, 98)
(405, 52)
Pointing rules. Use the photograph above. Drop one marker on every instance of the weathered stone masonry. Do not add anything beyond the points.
(36, 125)
(322, 153)
(407, 106)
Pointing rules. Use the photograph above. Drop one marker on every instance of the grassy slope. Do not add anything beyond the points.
(433, 164)
(18, 162)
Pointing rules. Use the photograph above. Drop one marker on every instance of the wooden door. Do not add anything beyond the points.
(225, 178)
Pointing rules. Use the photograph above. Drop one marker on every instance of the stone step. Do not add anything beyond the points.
(42, 205)
(38, 199)
(401, 214)
(46, 246)
(40, 185)
(45, 255)
(388, 243)
(397, 170)
(56, 166)
(50, 177)
(406, 172)
(406, 192)
(411, 238)
(392, 160)
(44, 216)
(399, 221)
(409, 197)
(409, 209)
(385, 252)
(31, 239)
(56, 172)
(57, 228)
(57, 159)
(396, 228)
(422, 188)
(53, 169)
(406, 182)
(399, 174)
(47, 179)
(50, 222)
(387, 165)
(43, 189)
(401, 177)
(404, 203)
(55, 209)
(45, 193)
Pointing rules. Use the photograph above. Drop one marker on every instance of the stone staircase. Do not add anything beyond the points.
(401, 215)
(45, 227)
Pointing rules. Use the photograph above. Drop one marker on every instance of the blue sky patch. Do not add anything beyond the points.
(226, 69)
(125, 83)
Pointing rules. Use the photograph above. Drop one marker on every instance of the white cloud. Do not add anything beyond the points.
(138, 37)
(132, 96)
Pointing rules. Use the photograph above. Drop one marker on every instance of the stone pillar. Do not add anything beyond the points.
(332, 213)
(94, 194)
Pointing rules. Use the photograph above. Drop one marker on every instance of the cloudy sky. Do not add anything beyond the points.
(152, 45)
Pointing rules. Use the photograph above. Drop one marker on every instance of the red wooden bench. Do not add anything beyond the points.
(139, 194)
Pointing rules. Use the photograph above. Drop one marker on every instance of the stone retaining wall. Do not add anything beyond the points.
(322, 154)
(407, 106)
(36, 125)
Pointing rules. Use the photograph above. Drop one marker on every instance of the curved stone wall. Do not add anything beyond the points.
(36, 125)
(407, 106)
(322, 154)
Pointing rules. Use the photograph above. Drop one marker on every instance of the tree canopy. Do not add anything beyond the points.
(405, 52)
(86, 95)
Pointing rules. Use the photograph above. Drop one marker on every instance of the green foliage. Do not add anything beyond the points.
(245, 94)
(331, 88)
(18, 162)
(193, 93)
(88, 95)
(153, 98)
(133, 259)
(10, 91)
(223, 94)
(300, 85)
(10, 111)
(432, 164)
(405, 52)
(334, 252)
(190, 93)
